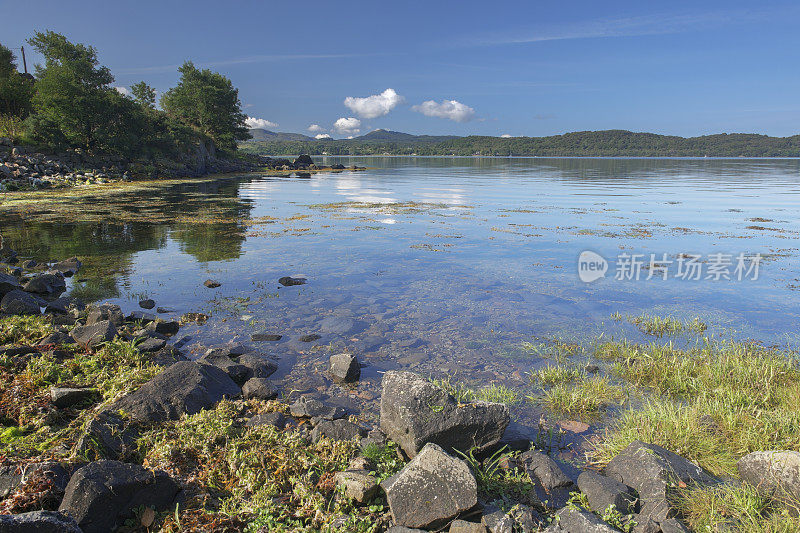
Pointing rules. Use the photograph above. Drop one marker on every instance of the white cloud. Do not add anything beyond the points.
(316, 128)
(259, 123)
(374, 106)
(347, 126)
(506, 136)
(124, 91)
(449, 109)
(322, 136)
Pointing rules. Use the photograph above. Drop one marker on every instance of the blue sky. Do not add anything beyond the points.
(466, 67)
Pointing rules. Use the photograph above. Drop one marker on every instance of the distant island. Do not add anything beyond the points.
(609, 143)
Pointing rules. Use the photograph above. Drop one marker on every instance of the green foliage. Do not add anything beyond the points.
(385, 458)
(609, 143)
(589, 396)
(493, 479)
(16, 91)
(208, 102)
(144, 95)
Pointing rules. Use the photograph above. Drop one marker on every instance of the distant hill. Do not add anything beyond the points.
(396, 136)
(261, 135)
(608, 143)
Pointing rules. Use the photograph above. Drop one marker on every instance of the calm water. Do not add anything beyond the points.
(464, 267)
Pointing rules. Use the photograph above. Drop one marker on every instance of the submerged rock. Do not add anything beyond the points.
(259, 389)
(211, 284)
(103, 494)
(288, 281)
(68, 267)
(414, 412)
(431, 489)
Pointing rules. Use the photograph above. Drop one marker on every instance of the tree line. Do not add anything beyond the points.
(610, 143)
(70, 102)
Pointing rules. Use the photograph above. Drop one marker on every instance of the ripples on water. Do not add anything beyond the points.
(465, 267)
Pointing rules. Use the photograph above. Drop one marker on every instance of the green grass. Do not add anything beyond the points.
(490, 393)
(24, 329)
(557, 375)
(660, 326)
(589, 396)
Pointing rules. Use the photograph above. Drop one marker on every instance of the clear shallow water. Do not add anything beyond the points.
(460, 267)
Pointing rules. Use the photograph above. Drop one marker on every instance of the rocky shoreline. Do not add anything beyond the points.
(23, 168)
(431, 463)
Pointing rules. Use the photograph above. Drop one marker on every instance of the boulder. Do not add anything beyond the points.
(344, 368)
(69, 396)
(38, 522)
(48, 284)
(110, 312)
(306, 407)
(774, 473)
(337, 430)
(276, 420)
(519, 518)
(17, 302)
(163, 327)
(103, 494)
(97, 333)
(68, 267)
(337, 325)
(238, 373)
(570, 520)
(63, 306)
(185, 387)
(259, 389)
(259, 365)
(431, 489)
(107, 436)
(358, 485)
(151, 344)
(8, 283)
(543, 468)
(653, 471)
(415, 412)
(603, 492)
(147, 304)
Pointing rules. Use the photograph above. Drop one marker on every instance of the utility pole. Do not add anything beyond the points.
(24, 63)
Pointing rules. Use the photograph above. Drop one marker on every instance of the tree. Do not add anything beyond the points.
(16, 92)
(72, 91)
(208, 102)
(144, 95)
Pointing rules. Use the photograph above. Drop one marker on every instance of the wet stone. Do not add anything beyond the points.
(147, 304)
(265, 337)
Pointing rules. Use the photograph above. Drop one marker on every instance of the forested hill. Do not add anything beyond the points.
(608, 143)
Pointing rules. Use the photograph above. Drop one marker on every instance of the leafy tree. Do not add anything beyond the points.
(73, 93)
(16, 90)
(208, 102)
(144, 95)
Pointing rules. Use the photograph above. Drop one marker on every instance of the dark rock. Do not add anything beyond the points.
(431, 489)
(162, 310)
(64, 305)
(8, 284)
(94, 335)
(141, 316)
(151, 344)
(69, 396)
(110, 312)
(603, 492)
(16, 350)
(774, 473)
(147, 304)
(38, 522)
(29, 264)
(237, 372)
(102, 495)
(163, 327)
(268, 419)
(167, 356)
(570, 520)
(48, 284)
(107, 436)
(231, 350)
(259, 389)
(520, 518)
(211, 284)
(358, 485)
(185, 387)
(591, 369)
(288, 281)
(415, 412)
(337, 430)
(259, 365)
(68, 267)
(654, 472)
(543, 468)
(344, 368)
(303, 161)
(265, 337)
(310, 338)
(306, 407)
(57, 338)
(18, 302)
